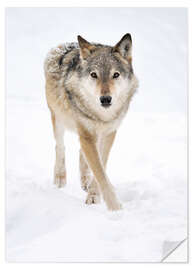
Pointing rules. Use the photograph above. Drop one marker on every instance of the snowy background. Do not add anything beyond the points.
(148, 162)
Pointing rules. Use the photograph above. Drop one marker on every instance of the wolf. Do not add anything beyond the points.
(89, 87)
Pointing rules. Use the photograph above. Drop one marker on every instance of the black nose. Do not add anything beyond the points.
(105, 101)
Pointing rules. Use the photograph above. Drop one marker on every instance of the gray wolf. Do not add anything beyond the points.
(89, 87)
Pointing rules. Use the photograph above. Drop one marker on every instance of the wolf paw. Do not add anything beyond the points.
(84, 186)
(92, 199)
(60, 179)
(85, 182)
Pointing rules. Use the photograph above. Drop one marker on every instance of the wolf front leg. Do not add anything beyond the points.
(105, 147)
(85, 172)
(59, 170)
(88, 146)
(88, 183)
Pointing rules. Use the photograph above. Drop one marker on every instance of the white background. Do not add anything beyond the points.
(155, 173)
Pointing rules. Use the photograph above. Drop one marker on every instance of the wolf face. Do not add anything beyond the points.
(106, 72)
(100, 78)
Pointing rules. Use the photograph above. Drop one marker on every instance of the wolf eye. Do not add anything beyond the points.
(116, 75)
(93, 75)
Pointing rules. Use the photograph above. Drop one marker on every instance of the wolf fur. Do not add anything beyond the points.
(77, 75)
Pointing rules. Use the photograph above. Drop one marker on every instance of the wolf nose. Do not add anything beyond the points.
(105, 101)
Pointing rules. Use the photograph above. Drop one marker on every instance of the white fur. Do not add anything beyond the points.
(91, 96)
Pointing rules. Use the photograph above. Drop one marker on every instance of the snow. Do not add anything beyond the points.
(148, 162)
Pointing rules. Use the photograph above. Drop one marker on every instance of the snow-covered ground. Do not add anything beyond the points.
(148, 162)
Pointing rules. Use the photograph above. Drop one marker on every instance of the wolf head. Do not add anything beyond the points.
(106, 71)
(104, 76)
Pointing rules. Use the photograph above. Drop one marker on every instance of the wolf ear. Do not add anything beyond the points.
(124, 47)
(86, 48)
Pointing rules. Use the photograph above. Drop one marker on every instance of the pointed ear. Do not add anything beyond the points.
(86, 48)
(124, 46)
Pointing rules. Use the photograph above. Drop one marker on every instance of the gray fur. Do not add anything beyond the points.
(102, 59)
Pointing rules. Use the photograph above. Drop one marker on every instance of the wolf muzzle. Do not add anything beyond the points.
(105, 101)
